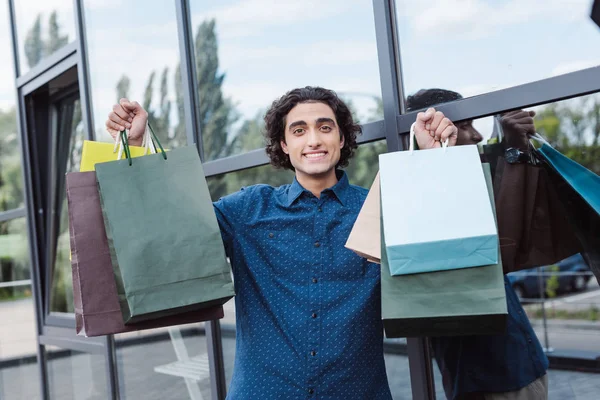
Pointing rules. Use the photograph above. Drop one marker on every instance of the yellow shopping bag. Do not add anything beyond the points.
(99, 152)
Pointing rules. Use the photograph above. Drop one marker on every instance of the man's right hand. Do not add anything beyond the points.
(128, 115)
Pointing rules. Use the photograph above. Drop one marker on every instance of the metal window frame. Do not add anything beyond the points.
(13, 214)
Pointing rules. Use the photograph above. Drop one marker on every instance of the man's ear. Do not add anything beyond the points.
(342, 141)
(284, 147)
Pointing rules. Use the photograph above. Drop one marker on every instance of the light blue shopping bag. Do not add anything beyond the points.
(581, 179)
(436, 210)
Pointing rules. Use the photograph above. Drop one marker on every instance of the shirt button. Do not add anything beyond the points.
(271, 234)
(311, 391)
(319, 209)
(317, 244)
(529, 340)
(314, 315)
(313, 353)
(315, 280)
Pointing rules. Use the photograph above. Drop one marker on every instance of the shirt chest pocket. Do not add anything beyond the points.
(283, 251)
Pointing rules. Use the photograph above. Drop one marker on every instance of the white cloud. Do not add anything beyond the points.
(250, 17)
(475, 18)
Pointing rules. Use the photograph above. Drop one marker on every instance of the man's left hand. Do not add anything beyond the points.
(432, 128)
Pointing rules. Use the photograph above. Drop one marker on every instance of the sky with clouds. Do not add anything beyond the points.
(267, 47)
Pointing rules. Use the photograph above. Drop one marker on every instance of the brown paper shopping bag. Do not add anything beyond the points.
(365, 237)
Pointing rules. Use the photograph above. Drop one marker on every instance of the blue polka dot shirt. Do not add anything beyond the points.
(308, 309)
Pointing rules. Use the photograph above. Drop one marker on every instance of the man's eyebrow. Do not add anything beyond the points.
(296, 123)
(325, 119)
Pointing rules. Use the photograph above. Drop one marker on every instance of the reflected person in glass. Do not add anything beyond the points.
(508, 366)
(308, 310)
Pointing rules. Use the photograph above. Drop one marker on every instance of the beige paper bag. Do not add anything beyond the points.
(365, 237)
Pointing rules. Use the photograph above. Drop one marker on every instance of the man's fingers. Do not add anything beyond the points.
(444, 123)
(114, 117)
(448, 132)
(114, 126)
(122, 113)
(435, 123)
(524, 120)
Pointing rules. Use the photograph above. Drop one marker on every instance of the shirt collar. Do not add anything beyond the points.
(340, 189)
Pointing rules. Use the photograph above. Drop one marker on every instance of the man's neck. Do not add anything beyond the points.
(316, 184)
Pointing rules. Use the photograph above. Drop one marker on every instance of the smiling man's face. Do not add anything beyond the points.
(312, 140)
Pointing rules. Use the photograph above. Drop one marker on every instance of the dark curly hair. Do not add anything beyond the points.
(276, 115)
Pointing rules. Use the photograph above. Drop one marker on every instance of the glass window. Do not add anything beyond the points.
(365, 164)
(167, 363)
(74, 375)
(478, 46)
(42, 28)
(11, 183)
(248, 53)
(69, 141)
(138, 58)
(221, 185)
(18, 368)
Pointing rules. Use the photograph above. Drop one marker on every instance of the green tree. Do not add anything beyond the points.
(55, 39)
(34, 44)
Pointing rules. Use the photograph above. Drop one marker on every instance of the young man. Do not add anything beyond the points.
(510, 366)
(308, 309)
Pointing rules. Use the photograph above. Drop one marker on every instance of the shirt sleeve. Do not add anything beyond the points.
(229, 211)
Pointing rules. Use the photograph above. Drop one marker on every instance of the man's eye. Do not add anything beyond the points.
(326, 128)
(298, 131)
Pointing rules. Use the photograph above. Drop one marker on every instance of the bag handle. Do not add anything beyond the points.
(540, 139)
(154, 138)
(411, 147)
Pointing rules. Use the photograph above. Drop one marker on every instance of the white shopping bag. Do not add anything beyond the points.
(436, 210)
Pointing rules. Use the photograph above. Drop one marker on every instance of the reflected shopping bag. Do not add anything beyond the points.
(532, 223)
(466, 301)
(172, 263)
(436, 210)
(581, 179)
(97, 310)
(578, 193)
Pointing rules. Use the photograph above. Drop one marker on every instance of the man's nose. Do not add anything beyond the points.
(314, 138)
(477, 136)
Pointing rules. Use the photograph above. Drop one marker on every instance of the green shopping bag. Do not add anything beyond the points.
(466, 301)
(166, 247)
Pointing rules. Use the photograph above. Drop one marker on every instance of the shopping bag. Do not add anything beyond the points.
(173, 263)
(436, 210)
(365, 238)
(466, 301)
(577, 205)
(93, 153)
(532, 223)
(95, 298)
(581, 179)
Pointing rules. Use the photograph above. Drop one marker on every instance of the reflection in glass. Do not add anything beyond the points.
(19, 374)
(74, 375)
(365, 164)
(69, 142)
(14, 259)
(167, 363)
(42, 28)
(480, 46)
(11, 183)
(221, 185)
(138, 58)
(250, 53)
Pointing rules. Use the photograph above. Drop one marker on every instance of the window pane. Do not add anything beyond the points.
(365, 164)
(248, 53)
(11, 183)
(74, 375)
(18, 343)
(137, 58)
(42, 28)
(478, 46)
(68, 156)
(167, 363)
(221, 185)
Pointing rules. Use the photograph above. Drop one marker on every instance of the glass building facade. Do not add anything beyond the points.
(206, 71)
